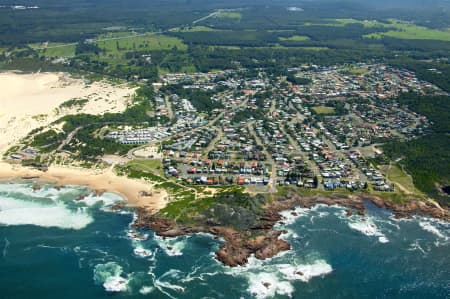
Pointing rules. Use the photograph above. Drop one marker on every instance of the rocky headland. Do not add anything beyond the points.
(262, 240)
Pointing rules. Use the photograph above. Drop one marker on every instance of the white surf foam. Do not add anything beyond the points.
(23, 212)
(164, 285)
(172, 246)
(136, 236)
(109, 275)
(107, 199)
(46, 191)
(289, 234)
(115, 284)
(145, 290)
(305, 272)
(291, 216)
(274, 277)
(139, 250)
(429, 227)
(367, 227)
(267, 285)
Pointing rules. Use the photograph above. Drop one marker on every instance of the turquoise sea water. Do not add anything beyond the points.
(54, 247)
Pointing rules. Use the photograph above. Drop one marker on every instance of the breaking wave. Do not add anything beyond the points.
(110, 276)
(22, 212)
(367, 227)
(269, 278)
(47, 206)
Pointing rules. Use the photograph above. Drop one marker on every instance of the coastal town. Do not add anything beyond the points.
(317, 128)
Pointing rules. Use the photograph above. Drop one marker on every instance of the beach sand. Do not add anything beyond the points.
(29, 101)
(99, 180)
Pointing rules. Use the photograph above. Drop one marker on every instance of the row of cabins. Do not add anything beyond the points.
(139, 136)
(228, 180)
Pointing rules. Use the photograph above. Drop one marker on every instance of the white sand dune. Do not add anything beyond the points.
(29, 101)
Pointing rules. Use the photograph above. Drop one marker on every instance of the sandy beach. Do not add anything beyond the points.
(29, 101)
(137, 192)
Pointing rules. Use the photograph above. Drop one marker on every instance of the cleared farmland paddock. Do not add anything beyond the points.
(118, 43)
(55, 49)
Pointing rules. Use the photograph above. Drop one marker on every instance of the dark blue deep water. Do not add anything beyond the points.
(54, 247)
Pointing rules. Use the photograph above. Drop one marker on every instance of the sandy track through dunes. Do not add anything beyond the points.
(29, 101)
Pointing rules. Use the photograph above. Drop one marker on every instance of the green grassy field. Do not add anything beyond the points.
(152, 165)
(55, 49)
(404, 30)
(235, 15)
(199, 29)
(357, 70)
(399, 29)
(278, 46)
(295, 38)
(323, 110)
(409, 31)
(396, 175)
(148, 42)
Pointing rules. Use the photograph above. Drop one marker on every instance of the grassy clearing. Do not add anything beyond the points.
(357, 71)
(235, 15)
(294, 38)
(398, 29)
(396, 175)
(225, 47)
(153, 165)
(199, 29)
(55, 49)
(313, 48)
(189, 69)
(147, 42)
(148, 169)
(323, 110)
(341, 23)
(404, 30)
(278, 46)
(410, 31)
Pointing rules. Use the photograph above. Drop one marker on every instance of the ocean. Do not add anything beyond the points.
(52, 246)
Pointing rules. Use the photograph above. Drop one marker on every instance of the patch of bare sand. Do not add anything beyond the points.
(29, 101)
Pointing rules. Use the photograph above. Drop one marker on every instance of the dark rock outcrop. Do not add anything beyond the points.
(261, 240)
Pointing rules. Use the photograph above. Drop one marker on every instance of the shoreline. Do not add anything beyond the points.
(263, 241)
(137, 193)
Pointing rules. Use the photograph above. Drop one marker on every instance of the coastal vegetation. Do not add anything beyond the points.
(243, 208)
(427, 158)
(144, 44)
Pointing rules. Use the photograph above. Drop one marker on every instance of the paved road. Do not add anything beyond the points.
(168, 106)
(210, 123)
(311, 164)
(273, 176)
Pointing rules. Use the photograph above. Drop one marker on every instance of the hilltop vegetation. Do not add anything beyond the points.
(427, 158)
